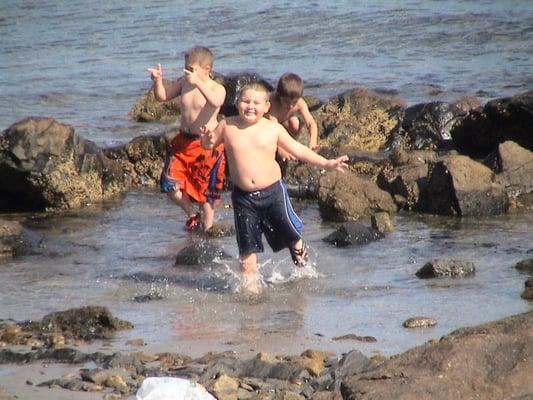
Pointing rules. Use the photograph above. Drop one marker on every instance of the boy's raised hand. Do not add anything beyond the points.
(156, 73)
(191, 76)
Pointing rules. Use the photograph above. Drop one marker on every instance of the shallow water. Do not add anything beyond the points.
(108, 255)
(85, 64)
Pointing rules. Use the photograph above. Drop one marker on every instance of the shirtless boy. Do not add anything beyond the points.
(260, 201)
(193, 173)
(287, 105)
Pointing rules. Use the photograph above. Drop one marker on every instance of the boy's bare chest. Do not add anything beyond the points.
(193, 99)
(251, 142)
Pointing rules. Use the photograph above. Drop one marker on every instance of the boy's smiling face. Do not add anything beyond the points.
(252, 105)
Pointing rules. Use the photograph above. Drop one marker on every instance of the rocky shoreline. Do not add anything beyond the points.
(489, 361)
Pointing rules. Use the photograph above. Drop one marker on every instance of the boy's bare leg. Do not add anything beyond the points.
(208, 215)
(182, 200)
(250, 273)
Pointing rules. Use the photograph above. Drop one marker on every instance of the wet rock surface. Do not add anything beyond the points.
(45, 165)
(350, 233)
(490, 361)
(446, 267)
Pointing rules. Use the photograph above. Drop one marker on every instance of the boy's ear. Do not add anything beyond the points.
(267, 106)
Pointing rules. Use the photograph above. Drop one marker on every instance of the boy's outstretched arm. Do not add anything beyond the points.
(303, 153)
(161, 92)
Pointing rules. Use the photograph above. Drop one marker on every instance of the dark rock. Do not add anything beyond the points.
(528, 289)
(500, 120)
(91, 322)
(525, 266)
(352, 336)
(45, 165)
(427, 126)
(461, 186)
(233, 84)
(467, 103)
(490, 361)
(201, 253)
(446, 267)
(347, 197)
(350, 233)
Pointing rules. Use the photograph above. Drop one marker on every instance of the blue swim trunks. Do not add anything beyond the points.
(269, 212)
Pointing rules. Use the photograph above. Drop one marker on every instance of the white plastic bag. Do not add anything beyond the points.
(167, 388)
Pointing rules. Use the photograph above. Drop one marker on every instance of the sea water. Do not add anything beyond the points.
(84, 63)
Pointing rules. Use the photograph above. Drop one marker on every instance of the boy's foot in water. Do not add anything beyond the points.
(300, 256)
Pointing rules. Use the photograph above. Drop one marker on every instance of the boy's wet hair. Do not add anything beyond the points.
(290, 86)
(257, 86)
(199, 55)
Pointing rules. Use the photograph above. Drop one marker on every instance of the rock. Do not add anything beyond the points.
(525, 266)
(382, 223)
(10, 237)
(201, 253)
(142, 159)
(419, 322)
(148, 109)
(467, 103)
(427, 126)
(350, 233)
(95, 375)
(45, 165)
(219, 230)
(500, 120)
(225, 388)
(528, 289)
(352, 336)
(359, 118)
(347, 197)
(91, 322)
(461, 186)
(446, 267)
(407, 184)
(514, 167)
(233, 84)
(490, 361)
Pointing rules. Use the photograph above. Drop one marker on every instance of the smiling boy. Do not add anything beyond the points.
(260, 201)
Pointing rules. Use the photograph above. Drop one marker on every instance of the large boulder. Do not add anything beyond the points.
(490, 361)
(427, 126)
(509, 118)
(460, 186)
(361, 119)
(45, 165)
(347, 197)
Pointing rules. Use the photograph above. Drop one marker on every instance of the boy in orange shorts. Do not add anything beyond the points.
(192, 173)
